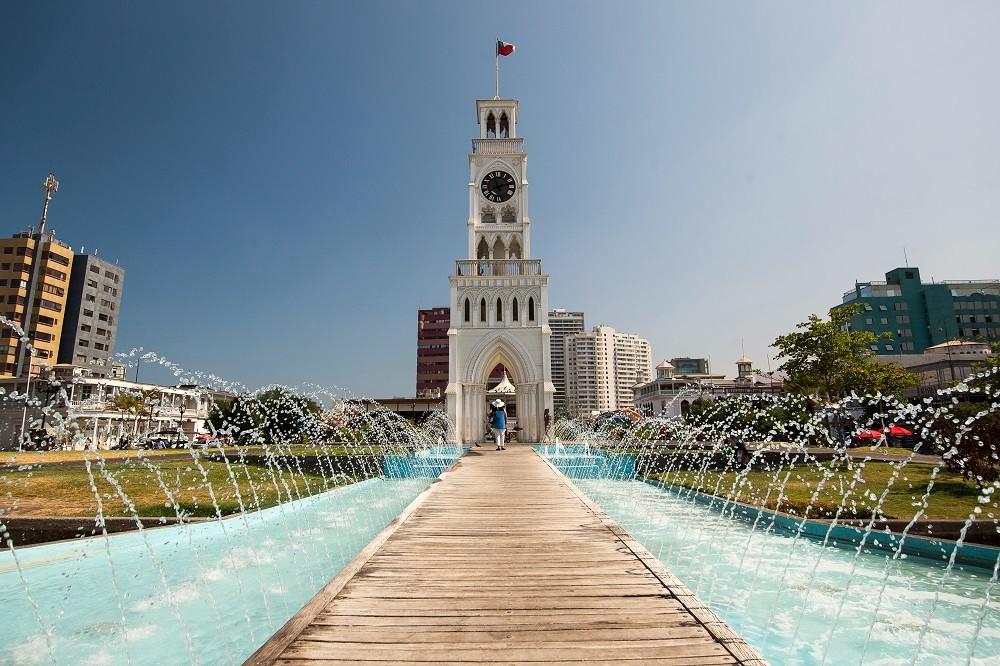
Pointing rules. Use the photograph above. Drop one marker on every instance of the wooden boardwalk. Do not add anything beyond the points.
(504, 561)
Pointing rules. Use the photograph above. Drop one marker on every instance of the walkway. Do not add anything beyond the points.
(504, 561)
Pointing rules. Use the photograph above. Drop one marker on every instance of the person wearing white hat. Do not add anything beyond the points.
(498, 423)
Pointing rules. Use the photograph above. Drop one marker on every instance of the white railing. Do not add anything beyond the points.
(497, 146)
(498, 267)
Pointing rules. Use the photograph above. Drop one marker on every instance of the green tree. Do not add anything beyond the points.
(273, 416)
(825, 357)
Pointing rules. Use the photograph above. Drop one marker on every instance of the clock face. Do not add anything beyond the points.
(498, 186)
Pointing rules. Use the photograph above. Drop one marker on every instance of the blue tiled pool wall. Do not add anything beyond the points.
(580, 462)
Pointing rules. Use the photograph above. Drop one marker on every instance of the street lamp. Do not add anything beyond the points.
(180, 426)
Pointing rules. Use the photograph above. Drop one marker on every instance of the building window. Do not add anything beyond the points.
(92, 283)
(53, 273)
(902, 319)
(873, 347)
(48, 305)
(499, 310)
(531, 309)
(884, 320)
(899, 307)
(83, 343)
(513, 311)
(889, 348)
(883, 308)
(102, 317)
(85, 328)
(869, 321)
(906, 346)
(95, 269)
(482, 309)
(467, 310)
(88, 313)
(8, 250)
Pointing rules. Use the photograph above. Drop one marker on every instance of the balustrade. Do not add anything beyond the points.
(498, 267)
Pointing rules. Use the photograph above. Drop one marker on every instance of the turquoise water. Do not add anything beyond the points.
(798, 602)
(208, 593)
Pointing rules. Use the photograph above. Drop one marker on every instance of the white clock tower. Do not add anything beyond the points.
(499, 294)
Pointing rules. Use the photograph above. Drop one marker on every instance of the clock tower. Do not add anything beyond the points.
(499, 294)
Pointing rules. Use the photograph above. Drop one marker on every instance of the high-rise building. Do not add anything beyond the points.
(619, 362)
(562, 323)
(42, 320)
(917, 314)
(499, 293)
(432, 351)
(92, 308)
(580, 354)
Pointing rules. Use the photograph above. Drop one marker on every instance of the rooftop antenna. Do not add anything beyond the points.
(906, 259)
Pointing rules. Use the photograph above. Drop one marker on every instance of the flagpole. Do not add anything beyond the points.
(496, 58)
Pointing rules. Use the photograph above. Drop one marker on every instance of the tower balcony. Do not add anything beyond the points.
(498, 267)
(497, 146)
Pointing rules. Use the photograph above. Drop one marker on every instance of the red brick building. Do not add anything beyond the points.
(432, 350)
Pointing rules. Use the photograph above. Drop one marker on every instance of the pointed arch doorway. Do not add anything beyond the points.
(472, 393)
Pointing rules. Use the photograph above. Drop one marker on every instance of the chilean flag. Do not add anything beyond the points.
(504, 49)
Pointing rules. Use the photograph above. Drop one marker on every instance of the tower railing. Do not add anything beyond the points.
(497, 146)
(498, 267)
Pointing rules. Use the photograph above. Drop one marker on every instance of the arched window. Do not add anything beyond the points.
(467, 310)
(499, 310)
(499, 250)
(491, 125)
(504, 126)
(483, 249)
(515, 249)
(482, 309)
(514, 316)
(531, 309)
(508, 215)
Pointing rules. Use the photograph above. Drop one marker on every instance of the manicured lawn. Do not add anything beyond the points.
(42, 457)
(65, 490)
(951, 496)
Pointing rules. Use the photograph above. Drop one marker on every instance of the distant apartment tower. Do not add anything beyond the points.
(562, 323)
(432, 351)
(602, 367)
(916, 315)
(45, 316)
(580, 358)
(92, 309)
(628, 360)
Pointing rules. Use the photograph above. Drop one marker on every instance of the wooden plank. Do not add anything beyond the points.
(503, 560)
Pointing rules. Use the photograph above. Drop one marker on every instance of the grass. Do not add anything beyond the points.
(952, 497)
(13, 458)
(65, 490)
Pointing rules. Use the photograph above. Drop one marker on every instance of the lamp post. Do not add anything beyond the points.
(50, 185)
(180, 426)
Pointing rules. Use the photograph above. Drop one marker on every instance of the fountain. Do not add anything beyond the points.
(197, 554)
(814, 551)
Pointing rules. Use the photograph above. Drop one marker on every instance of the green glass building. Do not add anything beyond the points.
(918, 315)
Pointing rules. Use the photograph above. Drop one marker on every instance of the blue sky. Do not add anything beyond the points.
(285, 182)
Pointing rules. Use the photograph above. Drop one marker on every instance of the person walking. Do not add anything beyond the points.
(499, 424)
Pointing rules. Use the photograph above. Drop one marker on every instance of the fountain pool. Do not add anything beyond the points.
(799, 602)
(207, 593)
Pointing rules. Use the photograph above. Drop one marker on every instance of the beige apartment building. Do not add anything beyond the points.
(602, 367)
(45, 320)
